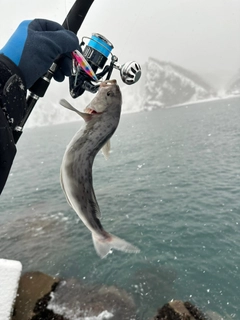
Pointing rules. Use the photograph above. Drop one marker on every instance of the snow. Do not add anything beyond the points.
(10, 272)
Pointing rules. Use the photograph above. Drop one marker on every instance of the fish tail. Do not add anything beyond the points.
(104, 246)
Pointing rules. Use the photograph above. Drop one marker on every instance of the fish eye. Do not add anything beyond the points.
(109, 93)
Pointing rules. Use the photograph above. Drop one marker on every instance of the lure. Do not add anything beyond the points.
(82, 63)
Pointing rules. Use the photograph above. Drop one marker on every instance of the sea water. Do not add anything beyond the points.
(171, 187)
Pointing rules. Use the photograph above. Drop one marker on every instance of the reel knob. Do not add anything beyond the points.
(130, 72)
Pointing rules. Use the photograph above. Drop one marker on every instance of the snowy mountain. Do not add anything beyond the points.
(167, 84)
(234, 86)
(162, 84)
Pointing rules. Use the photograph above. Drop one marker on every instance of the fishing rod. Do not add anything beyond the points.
(85, 64)
(72, 22)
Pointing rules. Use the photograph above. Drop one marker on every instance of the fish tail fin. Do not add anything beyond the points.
(104, 246)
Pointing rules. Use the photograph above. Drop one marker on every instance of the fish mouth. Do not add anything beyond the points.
(91, 111)
(108, 83)
(104, 84)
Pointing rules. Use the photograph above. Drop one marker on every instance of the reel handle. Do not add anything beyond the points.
(130, 72)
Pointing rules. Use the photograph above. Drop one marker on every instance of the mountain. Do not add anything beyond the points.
(234, 86)
(167, 84)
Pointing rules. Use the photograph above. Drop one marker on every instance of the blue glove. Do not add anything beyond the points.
(36, 44)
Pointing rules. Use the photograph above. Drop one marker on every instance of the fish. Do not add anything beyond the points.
(101, 118)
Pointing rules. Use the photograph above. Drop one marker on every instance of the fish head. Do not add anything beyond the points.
(108, 98)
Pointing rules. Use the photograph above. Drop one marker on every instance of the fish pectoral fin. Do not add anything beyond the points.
(103, 246)
(86, 116)
(106, 149)
(67, 105)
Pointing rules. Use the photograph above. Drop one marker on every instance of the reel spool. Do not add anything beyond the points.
(97, 51)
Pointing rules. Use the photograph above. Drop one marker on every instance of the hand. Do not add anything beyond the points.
(36, 44)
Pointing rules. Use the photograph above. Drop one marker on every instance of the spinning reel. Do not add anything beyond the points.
(93, 57)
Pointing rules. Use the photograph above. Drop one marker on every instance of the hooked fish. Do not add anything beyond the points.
(101, 120)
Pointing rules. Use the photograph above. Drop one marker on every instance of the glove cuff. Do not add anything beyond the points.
(12, 92)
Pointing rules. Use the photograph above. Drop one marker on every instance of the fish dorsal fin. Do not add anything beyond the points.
(87, 117)
(106, 149)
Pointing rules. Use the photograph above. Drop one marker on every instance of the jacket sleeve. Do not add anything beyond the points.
(12, 109)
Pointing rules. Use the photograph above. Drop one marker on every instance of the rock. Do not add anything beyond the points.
(41, 297)
(72, 298)
(32, 287)
(179, 310)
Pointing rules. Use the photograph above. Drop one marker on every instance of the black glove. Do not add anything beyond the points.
(36, 44)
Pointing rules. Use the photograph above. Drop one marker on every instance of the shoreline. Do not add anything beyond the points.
(37, 291)
(189, 103)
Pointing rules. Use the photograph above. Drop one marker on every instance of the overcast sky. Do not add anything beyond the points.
(201, 35)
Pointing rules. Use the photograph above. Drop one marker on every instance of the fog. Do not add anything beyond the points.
(202, 36)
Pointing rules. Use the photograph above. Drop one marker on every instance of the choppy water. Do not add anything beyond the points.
(171, 187)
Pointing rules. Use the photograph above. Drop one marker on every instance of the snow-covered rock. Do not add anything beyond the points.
(10, 272)
(234, 86)
(167, 84)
